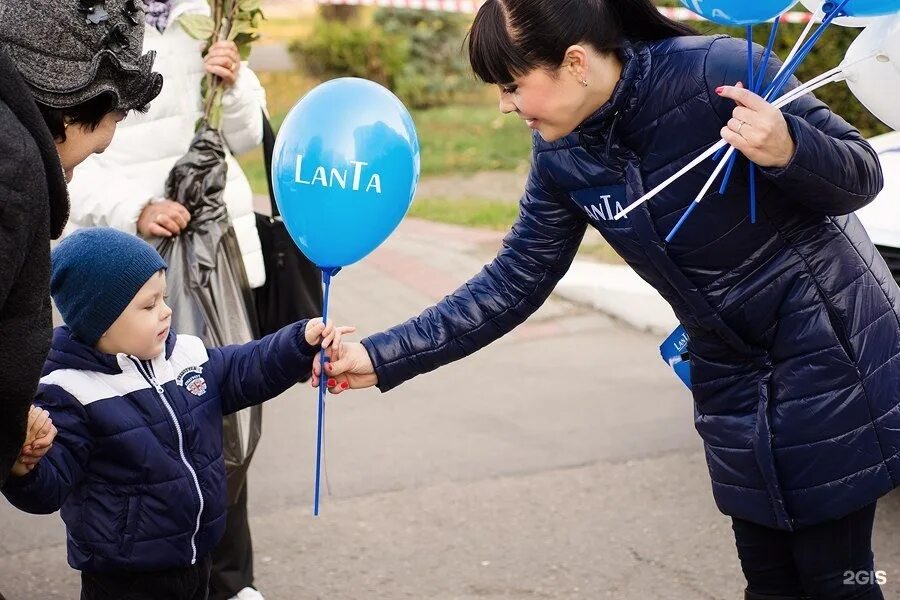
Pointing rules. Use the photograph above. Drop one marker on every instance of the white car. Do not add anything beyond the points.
(881, 218)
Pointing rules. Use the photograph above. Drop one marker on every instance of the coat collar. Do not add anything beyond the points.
(69, 352)
(627, 95)
(17, 96)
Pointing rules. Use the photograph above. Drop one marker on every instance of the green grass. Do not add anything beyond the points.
(283, 90)
(285, 30)
(468, 212)
(467, 139)
(454, 139)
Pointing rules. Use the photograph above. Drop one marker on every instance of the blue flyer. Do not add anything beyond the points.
(675, 352)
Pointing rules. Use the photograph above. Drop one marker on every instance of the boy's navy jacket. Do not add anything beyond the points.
(794, 321)
(136, 468)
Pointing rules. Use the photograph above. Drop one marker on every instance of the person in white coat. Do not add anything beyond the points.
(123, 188)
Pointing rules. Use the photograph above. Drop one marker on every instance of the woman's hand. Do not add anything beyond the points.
(353, 370)
(163, 219)
(224, 61)
(757, 129)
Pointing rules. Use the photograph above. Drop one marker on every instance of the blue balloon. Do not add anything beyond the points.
(739, 12)
(344, 170)
(868, 8)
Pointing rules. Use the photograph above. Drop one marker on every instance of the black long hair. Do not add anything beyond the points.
(509, 38)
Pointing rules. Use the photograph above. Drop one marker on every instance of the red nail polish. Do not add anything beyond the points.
(719, 89)
(332, 383)
(345, 385)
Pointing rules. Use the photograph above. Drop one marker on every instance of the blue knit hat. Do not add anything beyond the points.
(96, 274)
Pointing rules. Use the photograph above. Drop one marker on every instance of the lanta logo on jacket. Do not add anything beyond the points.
(602, 204)
(192, 380)
(351, 178)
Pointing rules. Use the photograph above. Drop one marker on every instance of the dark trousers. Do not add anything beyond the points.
(828, 561)
(189, 583)
(232, 559)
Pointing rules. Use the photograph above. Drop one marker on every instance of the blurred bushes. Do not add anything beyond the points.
(420, 56)
(417, 54)
(340, 49)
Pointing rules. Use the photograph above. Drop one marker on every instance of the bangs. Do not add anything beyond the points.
(494, 55)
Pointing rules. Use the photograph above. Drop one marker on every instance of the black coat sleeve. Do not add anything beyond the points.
(21, 301)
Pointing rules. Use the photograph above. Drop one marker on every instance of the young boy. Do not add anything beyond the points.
(136, 467)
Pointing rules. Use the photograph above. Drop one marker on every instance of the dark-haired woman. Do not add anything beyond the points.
(69, 71)
(794, 321)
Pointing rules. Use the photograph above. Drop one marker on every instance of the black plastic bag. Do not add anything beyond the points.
(293, 288)
(207, 285)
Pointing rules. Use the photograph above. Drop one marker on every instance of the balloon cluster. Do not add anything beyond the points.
(871, 69)
(741, 12)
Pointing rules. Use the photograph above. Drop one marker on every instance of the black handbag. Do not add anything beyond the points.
(293, 288)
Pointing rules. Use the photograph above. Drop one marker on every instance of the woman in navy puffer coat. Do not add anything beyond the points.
(793, 321)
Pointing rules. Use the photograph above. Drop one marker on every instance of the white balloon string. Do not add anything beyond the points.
(814, 84)
(817, 16)
(721, 165)
(677, 175)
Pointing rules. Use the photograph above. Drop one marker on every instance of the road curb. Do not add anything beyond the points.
(617, 291)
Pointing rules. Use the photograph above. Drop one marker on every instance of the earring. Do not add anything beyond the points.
(584, 82)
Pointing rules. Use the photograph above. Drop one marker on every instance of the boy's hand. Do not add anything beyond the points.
(38, 441)
(327, 335)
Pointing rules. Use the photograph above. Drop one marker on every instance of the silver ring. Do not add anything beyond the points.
(740, 127)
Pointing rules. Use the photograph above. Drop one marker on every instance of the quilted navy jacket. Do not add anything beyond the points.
(137, 469)
(794, 323)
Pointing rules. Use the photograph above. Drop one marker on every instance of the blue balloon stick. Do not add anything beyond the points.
(327, 274)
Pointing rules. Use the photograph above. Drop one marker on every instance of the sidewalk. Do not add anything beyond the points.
(613, 290)
(560, 462)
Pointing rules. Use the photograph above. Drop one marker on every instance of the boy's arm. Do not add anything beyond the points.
(252, 373)
(46, 487)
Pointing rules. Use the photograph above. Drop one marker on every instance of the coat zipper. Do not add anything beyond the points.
(148, 375)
